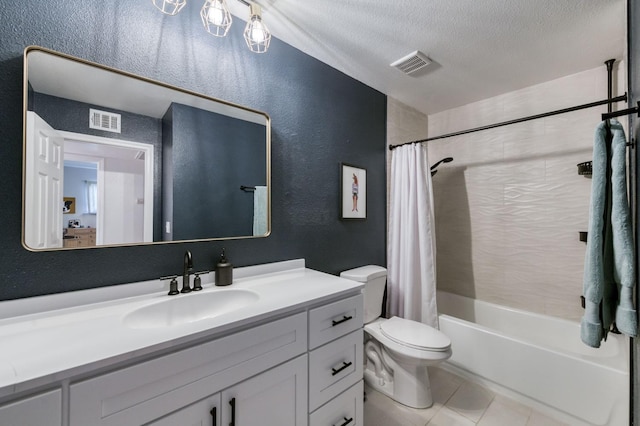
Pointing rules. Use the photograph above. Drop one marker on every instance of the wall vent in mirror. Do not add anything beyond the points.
(165, 127)
(102, 120)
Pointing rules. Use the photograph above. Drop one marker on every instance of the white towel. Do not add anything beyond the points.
(260, 213)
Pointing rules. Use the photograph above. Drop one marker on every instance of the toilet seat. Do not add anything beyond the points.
(407, 353)
(415, 335)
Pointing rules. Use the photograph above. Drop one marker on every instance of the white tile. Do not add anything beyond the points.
(447, 417)
(526, 298)
(380, 410)
(553, 95)
(513, 405)
(501, 414)
(539, 419)
(443, 384)
(470, 400)
(508, 209)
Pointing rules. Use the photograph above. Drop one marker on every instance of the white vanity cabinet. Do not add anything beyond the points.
(42, 409)
(336, 363)
(201, 413)
(293, 358)
(275, 397)
(148, 391)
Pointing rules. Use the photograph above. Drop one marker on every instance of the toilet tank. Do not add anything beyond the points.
(375, 280)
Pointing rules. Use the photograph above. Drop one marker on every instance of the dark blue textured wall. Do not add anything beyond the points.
(320, 117)
(212, 156)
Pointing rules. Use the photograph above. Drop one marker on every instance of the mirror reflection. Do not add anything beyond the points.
(116, 159)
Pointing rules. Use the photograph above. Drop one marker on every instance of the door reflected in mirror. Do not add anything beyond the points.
(144, 162)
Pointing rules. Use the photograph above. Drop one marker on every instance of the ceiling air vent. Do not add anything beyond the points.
(102, 120)
(411, 63)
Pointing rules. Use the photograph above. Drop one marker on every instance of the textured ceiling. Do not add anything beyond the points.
(479, 48)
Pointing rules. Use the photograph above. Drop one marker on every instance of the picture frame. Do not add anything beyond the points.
(353, 192)
(68, 205)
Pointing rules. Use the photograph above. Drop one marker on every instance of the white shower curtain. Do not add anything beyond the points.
(411, 248)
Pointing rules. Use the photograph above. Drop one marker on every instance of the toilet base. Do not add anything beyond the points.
(378, 383)
(410, 388)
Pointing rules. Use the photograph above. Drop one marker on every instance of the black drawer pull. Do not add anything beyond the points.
(232, 403)
(344, 319)
(214, 416)
(346, 421)
(344, 365)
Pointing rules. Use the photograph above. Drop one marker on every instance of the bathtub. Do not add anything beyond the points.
(538, 359)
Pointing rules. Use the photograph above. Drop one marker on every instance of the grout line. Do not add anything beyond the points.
(486, 409)
(452, 393)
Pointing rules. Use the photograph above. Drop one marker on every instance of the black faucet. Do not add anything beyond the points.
(186, 271)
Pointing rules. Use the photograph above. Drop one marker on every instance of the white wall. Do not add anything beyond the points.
(510, 206)
(124, 186)
(75, 186)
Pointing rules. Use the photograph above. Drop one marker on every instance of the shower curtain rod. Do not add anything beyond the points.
(621, 98)
(628, 111)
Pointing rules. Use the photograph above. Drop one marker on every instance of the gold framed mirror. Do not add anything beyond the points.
(143, 161)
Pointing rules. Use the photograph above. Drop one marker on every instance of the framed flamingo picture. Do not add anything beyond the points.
(353, 193)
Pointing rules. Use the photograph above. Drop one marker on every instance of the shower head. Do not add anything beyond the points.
(444, 160)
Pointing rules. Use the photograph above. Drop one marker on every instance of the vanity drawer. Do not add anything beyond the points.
(346, 409)
(336, 319)
(334, 368)
(143, 392)
(43, 409)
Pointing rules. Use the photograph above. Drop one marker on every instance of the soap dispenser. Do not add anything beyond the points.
(224, 271)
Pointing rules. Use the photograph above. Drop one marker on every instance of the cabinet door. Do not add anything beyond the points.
(202, 413)
(147, 391)
(39, 410)
(277, 397)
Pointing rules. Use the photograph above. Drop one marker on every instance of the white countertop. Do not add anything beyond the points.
(47, 339)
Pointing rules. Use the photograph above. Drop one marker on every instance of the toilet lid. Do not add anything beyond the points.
(415, 334)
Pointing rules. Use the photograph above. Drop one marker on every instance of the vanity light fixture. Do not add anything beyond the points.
(216, 17)
(217, 20)
(169, 7)
(256, 33)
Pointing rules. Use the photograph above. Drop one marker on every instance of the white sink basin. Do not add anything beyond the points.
(188, 308)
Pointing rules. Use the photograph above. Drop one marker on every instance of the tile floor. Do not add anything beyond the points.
(456, 402)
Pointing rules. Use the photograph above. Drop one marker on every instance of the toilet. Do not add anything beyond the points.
(397, 350)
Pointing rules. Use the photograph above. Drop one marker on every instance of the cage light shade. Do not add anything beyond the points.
(256, 33)
(216, 17)
(169, 7)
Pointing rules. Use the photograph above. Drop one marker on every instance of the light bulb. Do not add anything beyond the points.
(256, 33)
(216, 17)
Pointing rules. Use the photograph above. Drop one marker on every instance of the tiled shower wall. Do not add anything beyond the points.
(404, 124)
(510, 206)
